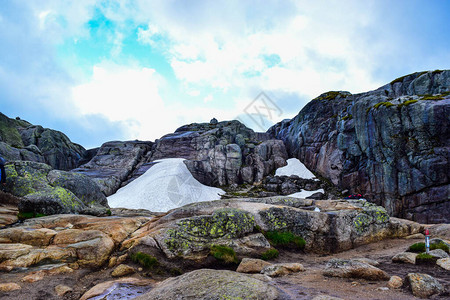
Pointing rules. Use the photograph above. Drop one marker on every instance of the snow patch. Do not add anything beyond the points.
(295, 167)
(303, 193)
(165, 186)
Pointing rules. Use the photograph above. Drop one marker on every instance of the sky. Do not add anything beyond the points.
(134, 69)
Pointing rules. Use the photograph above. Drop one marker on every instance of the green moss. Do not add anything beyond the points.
(441, 245)
(347, 117)
(144, 259)
(386, 104)
(437, 71)
(270, 254)
(224, 254)
(29, 215)
(406, 103)
(108, 212)
(417, 247)
(424, 256)
(285, 239)
(432, 97)
(445, 93)
(331, 95)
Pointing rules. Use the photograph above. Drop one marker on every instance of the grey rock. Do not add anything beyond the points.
(439, 253)
(405, 257)
(212, 284)
(424, 285)
(387, 144)
(353, 269)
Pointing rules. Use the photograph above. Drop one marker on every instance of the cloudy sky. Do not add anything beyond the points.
(122, 70)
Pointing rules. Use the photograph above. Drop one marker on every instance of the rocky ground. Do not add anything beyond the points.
(76, 256)
(303, 285)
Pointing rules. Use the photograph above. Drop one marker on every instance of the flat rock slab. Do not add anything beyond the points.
(424, 285)
(282, 269)
(212, 284)
(405, 257)
(444, 263)
(353, 269)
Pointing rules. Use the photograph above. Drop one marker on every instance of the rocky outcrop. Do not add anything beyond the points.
(115, 162)
(223, 153)
(46, 191)
(189, 232)
(212, 284)
(84, 240)
(20, 140)
(391, 145)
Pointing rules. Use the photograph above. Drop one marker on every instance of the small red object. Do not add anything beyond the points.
(427, 232)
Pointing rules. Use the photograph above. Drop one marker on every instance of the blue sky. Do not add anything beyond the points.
(122, 70)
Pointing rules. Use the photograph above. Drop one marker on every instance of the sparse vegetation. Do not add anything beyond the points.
(420, 247)
(270, 254)
(386, 104)
(285, 239)
(406, 103)
(29, 215)
(144, 259)
(224, 254)
(331, 95)
(108, 212)
(432, 97)
(347, 117)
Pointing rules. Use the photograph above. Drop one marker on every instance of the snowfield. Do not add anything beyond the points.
(295, 167)
(165, 186)
(304, 193)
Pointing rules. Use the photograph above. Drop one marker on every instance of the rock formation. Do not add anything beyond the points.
(20, 140)
(391, 144)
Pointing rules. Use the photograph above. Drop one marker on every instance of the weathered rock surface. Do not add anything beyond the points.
(424, 285)
(212, 284)
(20, 140)
(122, 270)
(395, 282)
(282, 269)
(391, 145)
(46, 191)
(252, 265)
(104, 288)
(190, 231)
(88, 241)
(353, 269)
(114, 163)
(444, 263)
(8, 287)
(223, 153)
(405, 257)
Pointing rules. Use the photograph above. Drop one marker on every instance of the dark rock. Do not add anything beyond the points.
(46, 191)
(391, 145)
(222, 153)
(317, 196)
(115, 163)
(20, 140)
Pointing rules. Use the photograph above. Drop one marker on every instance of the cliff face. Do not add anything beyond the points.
(21, 140)
(392, 144)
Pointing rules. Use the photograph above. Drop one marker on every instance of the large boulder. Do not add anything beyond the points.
(20, 140)
(46, 191)
(353, 269)
(212, 284)
(223, 153)
(424, 285)
(390, 145)
(114, 163)
(189, 232)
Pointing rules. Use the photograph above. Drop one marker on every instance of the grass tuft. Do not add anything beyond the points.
(270, 254)
(144, 259)
(285, 239)
(224, 254)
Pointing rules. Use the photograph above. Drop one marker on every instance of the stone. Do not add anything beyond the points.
(417, 236)
(368, 261)
(353, 269)
(122, 270)
(424, 285)
(375, 144)
(395, 282)
(102, 288)
(325, 297)
(212, 284)
(405, 257)
(439, 253)
(444, 263)
(41, 274)
(282, 269)
(61, 290)
(9, 287)
(252, 265)
(114, 162)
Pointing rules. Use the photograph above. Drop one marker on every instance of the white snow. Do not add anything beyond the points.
(295, 167)
(166, 185)
(305, 193)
